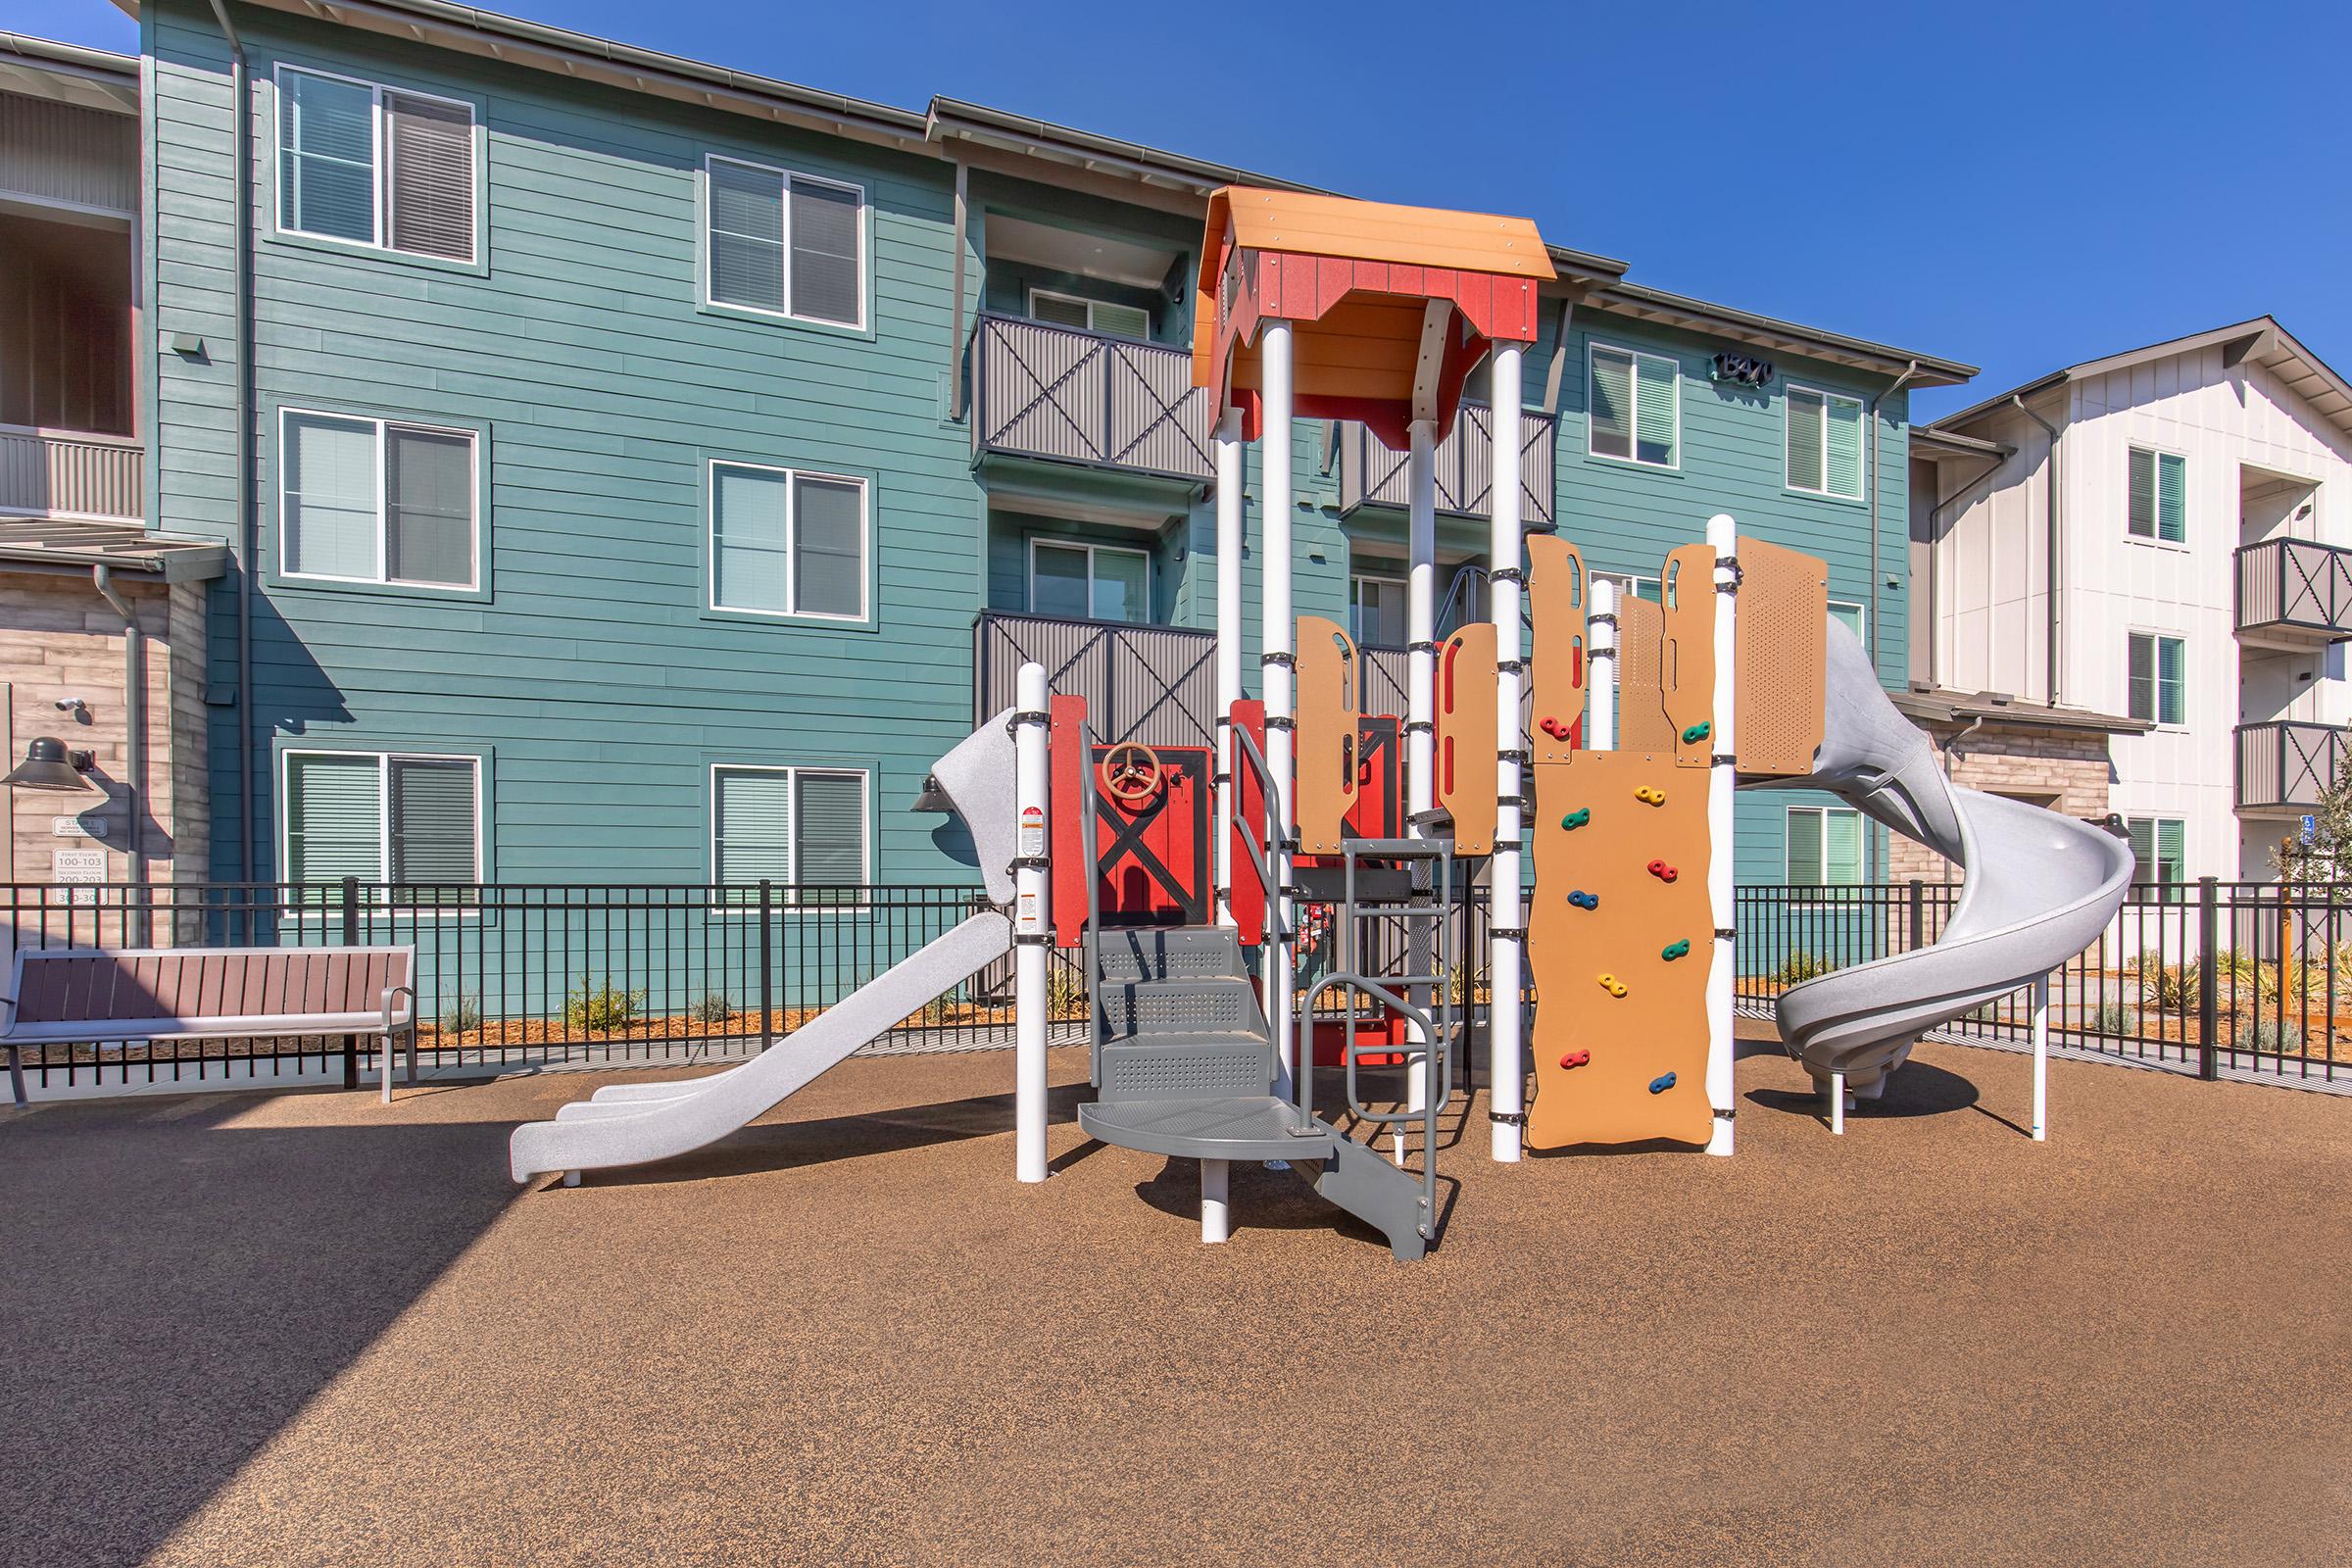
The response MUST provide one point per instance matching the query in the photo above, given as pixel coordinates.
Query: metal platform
(1236, 1127)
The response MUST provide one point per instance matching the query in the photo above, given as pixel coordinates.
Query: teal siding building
(624, 459)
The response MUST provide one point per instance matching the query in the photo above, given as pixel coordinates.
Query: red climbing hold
(1575, 1058)
(1662, 871)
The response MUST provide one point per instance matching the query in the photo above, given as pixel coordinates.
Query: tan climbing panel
(1642, 724)
(1688, 683)
(1326, 734)
(1466, 736)
(1782, 632)
(1659, 1024)
(1556, 604)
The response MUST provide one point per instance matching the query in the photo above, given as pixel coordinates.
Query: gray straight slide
(2040, 887)
(631, 1124)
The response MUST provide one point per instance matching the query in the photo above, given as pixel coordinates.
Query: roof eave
(1781, 338)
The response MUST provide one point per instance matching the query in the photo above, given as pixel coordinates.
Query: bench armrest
(395, 991)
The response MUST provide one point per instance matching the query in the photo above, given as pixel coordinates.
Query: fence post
(351, 939)
(2208, 992)
(768, 963)
(1919, 914)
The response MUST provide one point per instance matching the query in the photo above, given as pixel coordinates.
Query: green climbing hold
(1676, 950)
(1578, 818)
(1698, 733)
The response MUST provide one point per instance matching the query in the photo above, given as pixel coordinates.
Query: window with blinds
(413, 821)
(782, 243)
(1827, 847)
(1089, 315)
(2156, 853)
(1378, 611)
(1823, 443)
(2154, 667)
(376, 501)
(2158, 505)
(1634, 407)
(787, 543)
(800, 830)
(374, 165)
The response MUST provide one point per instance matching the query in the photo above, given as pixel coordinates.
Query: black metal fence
(513, 975)
(2210, 976)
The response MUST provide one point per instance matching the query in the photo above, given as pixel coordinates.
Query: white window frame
(379, 164)
(792, 526)
(788, 314)
(2174, 891)
(1861, 408)
(1403, 584)
(1825, 890)
(1036, 294)
(791, 847)
(1627, 584)
(1861, 618)
(1090, 547)
(2157, 538)
(383, 824)
(1593, 348)
(2156, 676)
(383, 533)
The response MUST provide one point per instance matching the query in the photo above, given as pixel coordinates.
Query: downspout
(2049, 479)
(134, 720)
(1869, 469)
(248, 534)
(1935, 557)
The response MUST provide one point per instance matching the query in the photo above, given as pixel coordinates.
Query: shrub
(602, 1007)
(715, 1007)
(1800, 966)
(2265, 1032)
(1066, 992)
(460, 1016)
(2114, 1019)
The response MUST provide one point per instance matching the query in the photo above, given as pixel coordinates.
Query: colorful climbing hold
(1575, 1058)
(1662, 871)
(1675, 950)
(1557, 730)
(1698, 733)
(1584, 900)
(1612, 985)
(1577, 819)
(1649, 796)
(1661, 1083)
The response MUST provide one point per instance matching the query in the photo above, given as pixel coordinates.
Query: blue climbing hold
(1584, 900)
(1661, 1083)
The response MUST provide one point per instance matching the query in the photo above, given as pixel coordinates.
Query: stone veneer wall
(2031, 762)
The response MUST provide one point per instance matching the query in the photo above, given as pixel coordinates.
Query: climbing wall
(1465, 736)
(1620, 930)
(1325, 787)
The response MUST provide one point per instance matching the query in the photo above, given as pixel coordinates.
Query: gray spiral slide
(630, 1124)
(2039, 886)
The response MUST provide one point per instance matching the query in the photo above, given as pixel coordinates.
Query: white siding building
(2201, 547)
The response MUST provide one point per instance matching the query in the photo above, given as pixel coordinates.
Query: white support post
(1031, 931)
(1276, 639)
(1600, 669)
(1229, 452)
(1506, 554)
(2041, 1060)
(1420, 689)
(1838, 1104)
(1216, 1210)
(1723, 780)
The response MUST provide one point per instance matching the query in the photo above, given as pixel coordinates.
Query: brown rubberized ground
(300, 1329)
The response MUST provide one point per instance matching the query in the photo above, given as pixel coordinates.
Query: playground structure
(1172, 868)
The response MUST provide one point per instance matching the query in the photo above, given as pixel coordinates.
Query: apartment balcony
(1059, 395)
(2293, 594)
(1154, 684)
(2283, 766)
(1372, 475)
(69, 474)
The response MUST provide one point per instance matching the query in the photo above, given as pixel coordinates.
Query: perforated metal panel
(1783, 631)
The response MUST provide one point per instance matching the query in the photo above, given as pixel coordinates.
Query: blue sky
(2018, 186)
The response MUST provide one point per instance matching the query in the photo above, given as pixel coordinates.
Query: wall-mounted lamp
(48, 766)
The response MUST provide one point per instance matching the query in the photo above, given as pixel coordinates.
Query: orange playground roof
(1373, 231)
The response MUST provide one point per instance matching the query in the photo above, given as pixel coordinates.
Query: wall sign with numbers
(1743, 368)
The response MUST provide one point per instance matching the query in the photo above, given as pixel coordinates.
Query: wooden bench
(104, 996)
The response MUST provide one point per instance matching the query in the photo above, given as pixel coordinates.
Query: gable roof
(2260, 341)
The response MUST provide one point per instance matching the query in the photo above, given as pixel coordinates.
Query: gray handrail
(1088, 803)
(1261, 856)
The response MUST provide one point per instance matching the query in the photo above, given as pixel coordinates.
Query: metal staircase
(1185, 1067)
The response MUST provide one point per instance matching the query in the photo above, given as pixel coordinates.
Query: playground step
(1186, 1067)
(1229, 1127)
(1382, 1193)
(1180, 1006)
(1173, 953)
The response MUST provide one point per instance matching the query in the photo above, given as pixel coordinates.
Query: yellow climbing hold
(1612, 985)
(1649, 796)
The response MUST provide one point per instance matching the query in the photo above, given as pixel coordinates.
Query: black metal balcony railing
(1154, 684)
(2296, 588)
(1067, 396)
(1371, 474)
(2285, 766)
